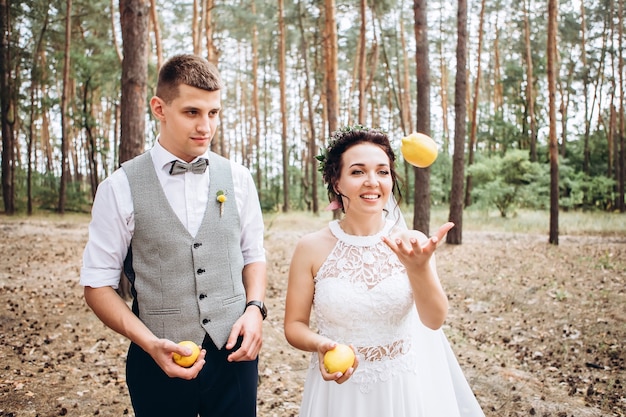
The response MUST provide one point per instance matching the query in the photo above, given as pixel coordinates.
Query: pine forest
(518, 123)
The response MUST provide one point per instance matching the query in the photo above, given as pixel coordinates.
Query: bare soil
(539, 330)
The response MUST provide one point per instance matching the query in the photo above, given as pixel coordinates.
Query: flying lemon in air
(419, 150)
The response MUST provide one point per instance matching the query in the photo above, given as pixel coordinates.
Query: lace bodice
(363, 297)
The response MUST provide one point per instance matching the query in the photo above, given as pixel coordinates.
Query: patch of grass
(47, 215)
(531, 221)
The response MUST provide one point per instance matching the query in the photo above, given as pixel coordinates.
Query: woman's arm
(416, 252)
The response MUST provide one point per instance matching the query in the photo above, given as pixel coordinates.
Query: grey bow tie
(197, 167)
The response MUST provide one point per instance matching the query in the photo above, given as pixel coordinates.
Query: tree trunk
(6, 110)
(530, 90)
(554, 146)
(474, 117)
(35, 84)
(154, 18)
(498, 94)
(444, 89)
(134, 15)
(312, 145)
(65, 138)
(585, 80)
(283, 103)
(421, 197)
(362, 72)
(455, 236)
(330, 59)
(256, 116)
(118, 52)
(31, 139)
(211, 50)
(330, 71)
(564, 91)
(195, 27)
(622, 143)
(218, 144)
(92, 147)
(405, 91)
(611, 129)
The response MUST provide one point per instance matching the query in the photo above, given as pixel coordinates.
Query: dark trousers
(221, 389)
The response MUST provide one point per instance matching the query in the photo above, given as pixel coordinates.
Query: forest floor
(539, 329)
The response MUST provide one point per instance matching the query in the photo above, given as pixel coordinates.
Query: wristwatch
(258, 304)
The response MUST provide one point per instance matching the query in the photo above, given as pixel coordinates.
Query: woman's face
(365, 182)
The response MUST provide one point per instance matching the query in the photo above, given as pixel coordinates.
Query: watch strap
(260, 305)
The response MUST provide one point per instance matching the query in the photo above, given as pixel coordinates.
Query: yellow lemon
(419, 150)
(339, 359)
(221, 198)
(187, 361)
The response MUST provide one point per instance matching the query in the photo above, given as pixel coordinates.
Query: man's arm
(250, 324)
(115, 314)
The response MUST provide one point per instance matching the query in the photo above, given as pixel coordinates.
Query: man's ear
(156, 106)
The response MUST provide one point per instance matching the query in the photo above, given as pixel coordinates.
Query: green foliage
(440, 180)
(270, 198)
(512, 181)
(45, 193)
(500, 180)
(583, 192)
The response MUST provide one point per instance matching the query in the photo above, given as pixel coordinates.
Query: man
(186, 227)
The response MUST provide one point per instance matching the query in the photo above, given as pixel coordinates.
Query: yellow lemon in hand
(339, 359)
(419, 150)
(187, 361)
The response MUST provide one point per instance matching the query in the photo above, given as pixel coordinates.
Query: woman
(374, 286)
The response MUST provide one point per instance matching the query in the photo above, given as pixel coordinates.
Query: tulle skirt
(437, 388)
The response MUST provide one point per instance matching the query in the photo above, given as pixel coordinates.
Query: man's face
(189, 122)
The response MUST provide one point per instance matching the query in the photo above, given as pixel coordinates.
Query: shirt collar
(163, 158)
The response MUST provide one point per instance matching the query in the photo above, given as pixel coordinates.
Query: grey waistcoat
(183, 286)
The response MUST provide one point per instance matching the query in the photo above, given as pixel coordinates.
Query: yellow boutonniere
(221, 198)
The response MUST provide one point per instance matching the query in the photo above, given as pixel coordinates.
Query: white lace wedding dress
(363, 298)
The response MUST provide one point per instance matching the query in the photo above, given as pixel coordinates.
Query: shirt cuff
(96, 278)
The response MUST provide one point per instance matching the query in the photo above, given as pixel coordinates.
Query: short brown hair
(187, 69)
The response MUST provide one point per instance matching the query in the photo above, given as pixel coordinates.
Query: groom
(196, 262)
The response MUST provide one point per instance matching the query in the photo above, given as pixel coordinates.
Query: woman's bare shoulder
(314, 248)
(319, 238)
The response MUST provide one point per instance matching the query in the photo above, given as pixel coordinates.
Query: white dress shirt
(113, 222)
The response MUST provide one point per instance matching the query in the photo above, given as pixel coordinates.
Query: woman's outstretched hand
(413, 248)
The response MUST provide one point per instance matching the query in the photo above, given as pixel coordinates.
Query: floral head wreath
(336, 137)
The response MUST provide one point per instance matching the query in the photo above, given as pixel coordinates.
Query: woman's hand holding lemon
(337, 362)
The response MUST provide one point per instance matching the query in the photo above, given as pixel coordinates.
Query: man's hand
(250, 328)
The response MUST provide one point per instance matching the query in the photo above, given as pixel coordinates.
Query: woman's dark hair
(339, 142)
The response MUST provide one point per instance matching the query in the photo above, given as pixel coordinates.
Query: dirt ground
(539, 330)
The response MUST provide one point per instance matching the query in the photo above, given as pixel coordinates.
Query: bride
(372, 284)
